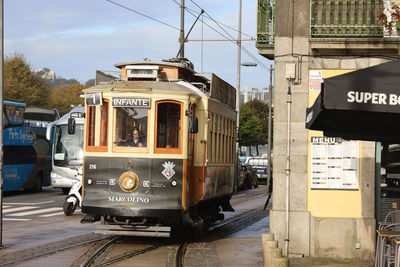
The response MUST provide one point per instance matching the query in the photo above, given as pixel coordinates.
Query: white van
(260, 165)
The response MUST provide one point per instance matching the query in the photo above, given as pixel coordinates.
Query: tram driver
(135, 141)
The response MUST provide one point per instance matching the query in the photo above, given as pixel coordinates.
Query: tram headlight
(174, 183)
(129, 181)
(89, 181)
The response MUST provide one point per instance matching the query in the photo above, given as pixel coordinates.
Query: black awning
(360, 105)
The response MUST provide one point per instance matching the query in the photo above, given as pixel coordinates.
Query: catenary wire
(194, 11)
(232, 39)
(141, 14)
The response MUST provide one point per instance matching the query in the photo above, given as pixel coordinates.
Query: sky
(75, 38)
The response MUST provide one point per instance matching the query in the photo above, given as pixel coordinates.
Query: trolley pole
(182, 35)
(1, 121)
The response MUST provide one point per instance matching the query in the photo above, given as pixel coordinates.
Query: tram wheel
(68, 208)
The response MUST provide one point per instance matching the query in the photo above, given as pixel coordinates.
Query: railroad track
(181, 243)
(30, 254)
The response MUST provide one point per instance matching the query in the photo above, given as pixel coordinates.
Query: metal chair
(386, 247)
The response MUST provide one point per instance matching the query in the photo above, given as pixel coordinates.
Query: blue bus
(27, 152)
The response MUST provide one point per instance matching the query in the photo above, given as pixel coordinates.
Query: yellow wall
(331, 203)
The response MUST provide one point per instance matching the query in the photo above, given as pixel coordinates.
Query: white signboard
(315, 80)
(334, 163)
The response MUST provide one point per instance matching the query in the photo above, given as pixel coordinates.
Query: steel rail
(54, 251)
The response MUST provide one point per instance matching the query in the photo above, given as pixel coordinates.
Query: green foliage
(253, 123)
(250, 126)
(260, 110)
(21, 85)
(63, 96)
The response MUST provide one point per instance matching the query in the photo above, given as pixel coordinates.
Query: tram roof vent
(142, 72)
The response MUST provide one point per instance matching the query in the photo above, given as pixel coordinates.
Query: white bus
(67, 154)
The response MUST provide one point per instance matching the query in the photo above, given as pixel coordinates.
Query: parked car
(247, 177)
(260, 167)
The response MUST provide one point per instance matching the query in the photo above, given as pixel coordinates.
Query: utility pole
(182, 35)
(270, 129)
(238, 91)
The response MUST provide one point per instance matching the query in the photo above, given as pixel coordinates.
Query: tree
(260, 110)
(63, 96)
(21, 85)
(250, 126)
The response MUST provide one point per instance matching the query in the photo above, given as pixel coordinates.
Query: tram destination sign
(131, 102)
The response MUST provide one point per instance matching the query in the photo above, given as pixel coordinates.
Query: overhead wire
(232, 39)
(207, 16)
(141, 14)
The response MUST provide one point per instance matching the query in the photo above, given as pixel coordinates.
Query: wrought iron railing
(265, 22)
(345, 18)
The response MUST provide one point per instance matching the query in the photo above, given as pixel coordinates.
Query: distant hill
(52, 80)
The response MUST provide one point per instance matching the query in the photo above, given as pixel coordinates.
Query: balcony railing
(345, 18)
(265, 22)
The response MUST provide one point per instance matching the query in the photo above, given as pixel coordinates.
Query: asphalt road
(27, 206)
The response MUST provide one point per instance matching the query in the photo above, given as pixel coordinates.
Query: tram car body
(159, 149)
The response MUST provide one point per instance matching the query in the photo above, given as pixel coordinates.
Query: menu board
(334, 163)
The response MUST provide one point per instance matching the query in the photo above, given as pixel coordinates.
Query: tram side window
(168, 125)
(97, 127)
(131, 127)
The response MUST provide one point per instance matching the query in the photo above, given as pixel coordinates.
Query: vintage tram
(160, 149)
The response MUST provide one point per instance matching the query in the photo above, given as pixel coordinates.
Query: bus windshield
(68, 148)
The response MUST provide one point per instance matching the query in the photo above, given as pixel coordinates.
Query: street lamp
(252, 64)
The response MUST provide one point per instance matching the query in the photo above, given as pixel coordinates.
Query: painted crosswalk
(29, 211)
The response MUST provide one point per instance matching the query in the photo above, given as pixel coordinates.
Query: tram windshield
(131, 127)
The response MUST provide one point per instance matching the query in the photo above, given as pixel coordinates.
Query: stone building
(310, 40)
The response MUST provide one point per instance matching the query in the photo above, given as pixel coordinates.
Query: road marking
(51, 214)
(19, 209)
(10, 219)
(36, 212)
(31, 203)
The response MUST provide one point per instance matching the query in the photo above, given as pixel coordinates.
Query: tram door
(194, 173)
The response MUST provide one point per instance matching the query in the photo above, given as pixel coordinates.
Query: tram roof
(177, 86)
(187, 65)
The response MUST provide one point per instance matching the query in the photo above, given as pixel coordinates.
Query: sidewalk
(244, 248)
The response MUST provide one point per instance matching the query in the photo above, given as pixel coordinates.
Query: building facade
(248, 95)
(310, 40)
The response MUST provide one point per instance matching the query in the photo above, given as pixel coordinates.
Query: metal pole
(238, 91)
(289, 102)
(270, 130)
(1, 121)
(182, 35)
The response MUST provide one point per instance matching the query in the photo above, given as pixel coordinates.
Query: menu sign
(334, 163)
